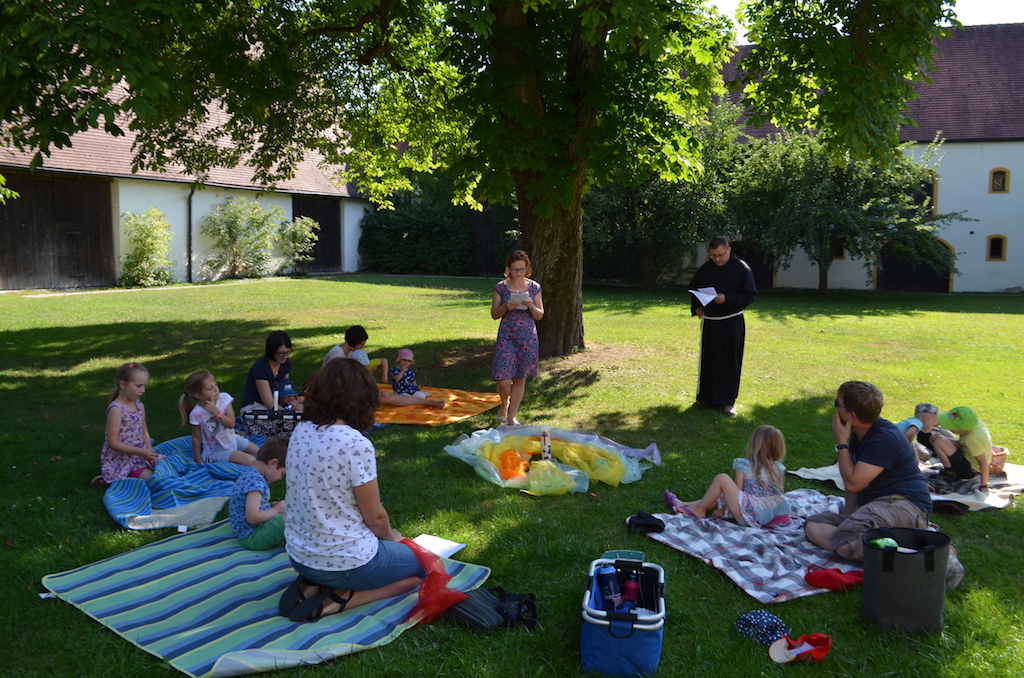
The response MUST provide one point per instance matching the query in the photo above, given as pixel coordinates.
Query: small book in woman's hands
(519, 298)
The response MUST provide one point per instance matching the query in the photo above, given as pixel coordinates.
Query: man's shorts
(961, 465)
(266, 535)
(892, 511)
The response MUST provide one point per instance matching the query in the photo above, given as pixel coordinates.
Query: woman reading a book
(517, 302)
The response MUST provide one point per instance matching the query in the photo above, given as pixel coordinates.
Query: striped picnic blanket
(768, 563)
(208, 606)
(180, 492)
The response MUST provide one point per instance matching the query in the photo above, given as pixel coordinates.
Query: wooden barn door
(898, 275)
(58, 234)
(327, 213)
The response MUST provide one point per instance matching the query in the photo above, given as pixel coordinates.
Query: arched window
(999, 180)
(995, 248)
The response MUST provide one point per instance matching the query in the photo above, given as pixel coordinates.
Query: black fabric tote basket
(905, 591)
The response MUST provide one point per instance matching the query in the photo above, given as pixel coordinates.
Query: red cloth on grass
(833, 579)
(435, 596)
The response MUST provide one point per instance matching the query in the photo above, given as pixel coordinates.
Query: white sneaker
(954, 570)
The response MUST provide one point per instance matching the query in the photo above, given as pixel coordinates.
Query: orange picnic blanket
(458, 405)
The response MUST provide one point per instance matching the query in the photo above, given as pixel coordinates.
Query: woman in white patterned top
(337, 532)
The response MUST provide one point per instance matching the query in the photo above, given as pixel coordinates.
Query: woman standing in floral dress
(518, 304)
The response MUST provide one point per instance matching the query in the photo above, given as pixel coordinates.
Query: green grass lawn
(635, 383)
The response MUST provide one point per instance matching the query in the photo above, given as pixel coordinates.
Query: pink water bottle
(631, 587)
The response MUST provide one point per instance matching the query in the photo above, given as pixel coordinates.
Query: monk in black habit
(723, 331)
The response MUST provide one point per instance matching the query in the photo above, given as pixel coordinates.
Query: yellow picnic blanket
(458, 405)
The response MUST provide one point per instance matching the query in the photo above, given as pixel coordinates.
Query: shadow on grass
(774, 304)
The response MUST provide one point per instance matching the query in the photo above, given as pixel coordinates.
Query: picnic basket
(623, 643)
(995, 467)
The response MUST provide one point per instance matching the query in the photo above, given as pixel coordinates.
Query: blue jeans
(394, 561)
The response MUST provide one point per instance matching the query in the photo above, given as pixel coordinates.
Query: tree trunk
(822, 280)
(550, 212)
(555, 246)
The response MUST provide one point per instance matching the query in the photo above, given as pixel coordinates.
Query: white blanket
(1002, 488)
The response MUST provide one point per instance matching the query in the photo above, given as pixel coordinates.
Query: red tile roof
(95, 152)
(976, 93)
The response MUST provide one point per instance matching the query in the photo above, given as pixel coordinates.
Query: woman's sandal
(293, 596)
(502, 420)
(312, 609)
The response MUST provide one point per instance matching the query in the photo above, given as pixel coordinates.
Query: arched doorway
(898, 275)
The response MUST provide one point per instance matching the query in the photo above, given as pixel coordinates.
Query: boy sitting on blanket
(923, 430)
(257, 523)
(354, 349)
(969, 456)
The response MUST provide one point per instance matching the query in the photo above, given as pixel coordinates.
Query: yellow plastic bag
(597, 463)
(546, 478)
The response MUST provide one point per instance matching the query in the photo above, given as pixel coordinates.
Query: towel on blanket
(458, 405)
(180, 492)
(1002, 488)
(768, 563)
(208, 606)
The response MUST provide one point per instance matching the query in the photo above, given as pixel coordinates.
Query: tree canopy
(525, 100)
(791, 194)
(644, 231)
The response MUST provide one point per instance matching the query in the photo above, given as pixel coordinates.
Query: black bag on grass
(487, 609)
(905, 590)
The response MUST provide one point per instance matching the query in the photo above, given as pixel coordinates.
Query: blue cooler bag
(625, 641)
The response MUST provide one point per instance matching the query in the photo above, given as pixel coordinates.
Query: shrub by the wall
(148, 264)
(296, 240)
(243, 234)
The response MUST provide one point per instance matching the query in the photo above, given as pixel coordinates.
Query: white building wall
(964, 186)
(352, 215)
(842, 274)
(138, 195)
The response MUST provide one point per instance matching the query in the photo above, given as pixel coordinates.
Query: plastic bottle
(631, 587)
(608, 583)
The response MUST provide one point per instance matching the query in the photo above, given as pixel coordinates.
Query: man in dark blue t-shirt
(884, 487)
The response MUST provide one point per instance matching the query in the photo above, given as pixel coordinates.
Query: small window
(995, 248)
(999, 180)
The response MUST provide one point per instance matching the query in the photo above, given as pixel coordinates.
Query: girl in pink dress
(127, 452)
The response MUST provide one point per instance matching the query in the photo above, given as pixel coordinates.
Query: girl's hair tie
(132, 365)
